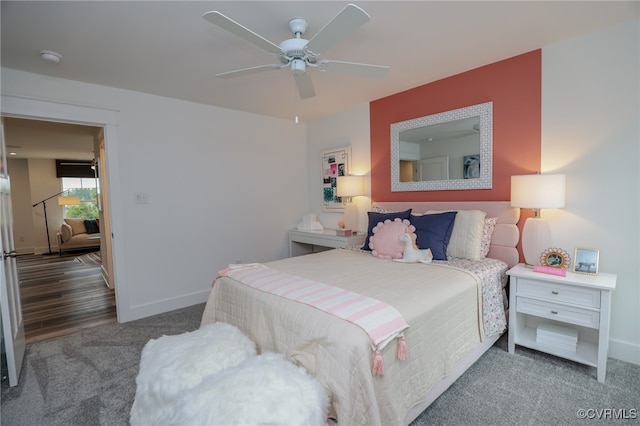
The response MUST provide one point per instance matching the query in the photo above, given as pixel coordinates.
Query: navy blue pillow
(434, 231)
(92, 226)
(375, 218)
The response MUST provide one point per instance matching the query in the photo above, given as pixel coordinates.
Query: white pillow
(466, 237)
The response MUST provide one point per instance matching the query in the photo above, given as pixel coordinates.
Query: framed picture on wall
(335, 162)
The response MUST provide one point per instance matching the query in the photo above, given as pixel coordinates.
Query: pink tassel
(402, 349)
(378, 364)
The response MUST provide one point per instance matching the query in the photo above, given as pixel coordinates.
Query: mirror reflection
(441, 151)
(445, 151)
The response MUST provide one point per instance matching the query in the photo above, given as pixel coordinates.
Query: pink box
(343, 232)
(550, 270)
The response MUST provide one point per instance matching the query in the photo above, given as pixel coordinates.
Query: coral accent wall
(513, 85)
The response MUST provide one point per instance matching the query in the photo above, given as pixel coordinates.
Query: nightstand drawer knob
(554, 292)
(554, 312)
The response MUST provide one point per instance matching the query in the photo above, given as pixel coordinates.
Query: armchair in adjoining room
(77, 234)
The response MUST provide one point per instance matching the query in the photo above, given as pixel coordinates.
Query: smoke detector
(50, 56)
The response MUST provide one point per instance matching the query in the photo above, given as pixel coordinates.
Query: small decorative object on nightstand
(303, 242)
(556, 258)
(563, 316)
(587, 260)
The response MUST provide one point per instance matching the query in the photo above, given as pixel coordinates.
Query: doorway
(65, 294)
(33, 108)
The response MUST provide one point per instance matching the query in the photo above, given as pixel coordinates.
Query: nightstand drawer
(558, 312)
(559, 292)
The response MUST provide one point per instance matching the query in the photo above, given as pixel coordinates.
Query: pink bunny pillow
(384, 243)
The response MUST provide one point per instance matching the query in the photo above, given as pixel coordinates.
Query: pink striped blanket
(382, 322)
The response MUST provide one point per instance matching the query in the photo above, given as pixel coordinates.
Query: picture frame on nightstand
(555, 258)
(586, 261)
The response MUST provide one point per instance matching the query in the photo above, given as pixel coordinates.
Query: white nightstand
(305, 242)
(579, 302)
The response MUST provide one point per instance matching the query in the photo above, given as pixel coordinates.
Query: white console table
(305, 242)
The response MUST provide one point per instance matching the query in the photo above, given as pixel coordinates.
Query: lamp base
(536, 238)
(351, 216)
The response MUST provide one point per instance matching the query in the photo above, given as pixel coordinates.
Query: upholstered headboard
(505, 236)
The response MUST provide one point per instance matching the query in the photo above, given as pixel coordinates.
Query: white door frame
(10, 301)
(49, 110)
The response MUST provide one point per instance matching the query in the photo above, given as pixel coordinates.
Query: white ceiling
(166, 47)
(46, 139)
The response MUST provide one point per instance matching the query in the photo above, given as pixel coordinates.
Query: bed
(454, 309)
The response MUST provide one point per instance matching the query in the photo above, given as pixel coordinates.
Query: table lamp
(348, 187)
(537, 192)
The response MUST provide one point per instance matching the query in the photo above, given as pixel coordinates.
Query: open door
(10, 303)
(103, 210)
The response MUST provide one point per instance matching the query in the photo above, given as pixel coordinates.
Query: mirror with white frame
(451, 150)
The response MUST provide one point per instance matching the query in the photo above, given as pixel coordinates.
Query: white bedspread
(442, 305)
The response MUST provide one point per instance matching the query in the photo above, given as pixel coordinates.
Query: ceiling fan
(299, 54)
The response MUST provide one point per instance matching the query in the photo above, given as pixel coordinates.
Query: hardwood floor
(61, 295)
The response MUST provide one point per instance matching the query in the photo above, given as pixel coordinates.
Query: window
(86, 189)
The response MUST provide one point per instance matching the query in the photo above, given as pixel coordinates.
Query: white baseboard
(162, 306)
(624, 351)
(44, 250)
(25, 250)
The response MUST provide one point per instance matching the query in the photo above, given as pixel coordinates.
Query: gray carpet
(88, 378)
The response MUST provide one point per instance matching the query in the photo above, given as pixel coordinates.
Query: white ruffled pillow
(466, 238)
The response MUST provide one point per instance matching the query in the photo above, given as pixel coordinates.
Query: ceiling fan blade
(217, 18)
(346, 21)
(305, 85)
(247, 71)
(360, 70)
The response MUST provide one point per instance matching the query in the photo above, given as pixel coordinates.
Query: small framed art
(471, 166)
(587, 261)
(556, 258)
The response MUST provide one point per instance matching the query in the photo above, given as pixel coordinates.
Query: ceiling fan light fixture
(50, 56)
(298, 67)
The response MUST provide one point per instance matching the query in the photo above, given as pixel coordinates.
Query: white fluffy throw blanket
(212, 376)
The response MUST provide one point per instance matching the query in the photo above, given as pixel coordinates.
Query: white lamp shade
(538, 191)
(350, 186)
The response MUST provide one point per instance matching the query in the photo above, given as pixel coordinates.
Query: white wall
(591, 132)
(222, 186)
(346, 128)
(43, 184)
(23, 232)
